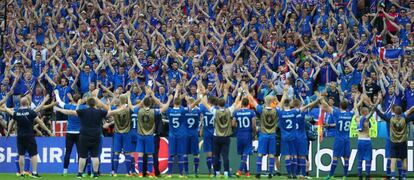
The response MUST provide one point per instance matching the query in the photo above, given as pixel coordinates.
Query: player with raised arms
(207, 130)
(122, 138)
(245, 121)
(364, 151)
(398, 129)
(341, 146)
(301, 141)
(267, 133)
(146, 127)
(192, 117)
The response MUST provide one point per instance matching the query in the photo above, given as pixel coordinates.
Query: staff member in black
(91, 120)
(26, 142)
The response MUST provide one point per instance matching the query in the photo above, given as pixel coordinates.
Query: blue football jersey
(287, 123)
(244, 119)
(192, 119)
(134, 119)
(73, 125)
(208, 119)
(301, 125)
(176, 121)
(343, 122)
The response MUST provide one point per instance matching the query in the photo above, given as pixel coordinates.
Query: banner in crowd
(51, 156)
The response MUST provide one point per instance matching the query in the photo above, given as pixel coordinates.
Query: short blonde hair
(123, 98)
(269, 99)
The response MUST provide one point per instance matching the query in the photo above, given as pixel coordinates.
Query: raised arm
(409, 111)
(284, 97)
(164, 107)
(311, 105)
(326, 107)
(7, 110)
(205, 103)
(43, 126)
(114, 112)
(66, 112)
(40, 107)
(334, 68)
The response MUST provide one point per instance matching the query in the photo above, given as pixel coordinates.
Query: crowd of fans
(341, 47)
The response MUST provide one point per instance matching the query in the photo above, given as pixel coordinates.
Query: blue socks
(333, 167)
(185, 161)
(271, 165)
(132, 164)
(209, 164)
(399, 167)
(302, 166)
(288, 166)
(403, 174)
(241, 166)
(170, 164)
(140, 160)
(294, 163)
(16, 161)
(368, 167)
(388, 172)
(346, 165)
(149, 165)
(196, 163)
(180, 163)
(297, 172)
(116, 163)
(259, 164)
(243, 163)
(128, 163)
(244, 158)
(26, 163)
(359, 167)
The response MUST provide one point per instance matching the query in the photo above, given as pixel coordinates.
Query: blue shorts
(288, 148)
(133, 133)
(134, 136)
(122, 142)
(364, 150)
(341, 148)
(177, 145)
(267, 143)
(302, 147)
(244, 144)
(387, 148)
(208, 142)
(145, 144)
(192, 144)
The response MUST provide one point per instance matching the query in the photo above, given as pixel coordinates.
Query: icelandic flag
(390, 53)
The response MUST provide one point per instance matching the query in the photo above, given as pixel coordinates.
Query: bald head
(24, 102)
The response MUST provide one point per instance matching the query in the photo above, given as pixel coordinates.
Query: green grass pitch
(106, 176)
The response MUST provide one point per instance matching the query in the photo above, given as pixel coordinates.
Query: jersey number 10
(243, 122)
